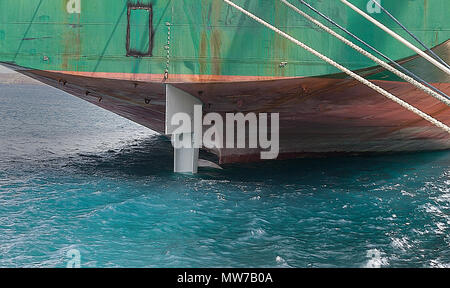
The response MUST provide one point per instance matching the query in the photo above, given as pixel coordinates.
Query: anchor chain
(167, 48)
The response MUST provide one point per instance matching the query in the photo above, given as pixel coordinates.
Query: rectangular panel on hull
(139, 31)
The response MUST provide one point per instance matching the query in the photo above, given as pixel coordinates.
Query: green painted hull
(207, 37)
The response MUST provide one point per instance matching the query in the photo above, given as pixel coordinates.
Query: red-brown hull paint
(174, 78)
(317, 115)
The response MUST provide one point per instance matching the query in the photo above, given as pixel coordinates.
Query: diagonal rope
(411, 34)
(392, 62)
(343, 69)
(398, 37)
(368, 55)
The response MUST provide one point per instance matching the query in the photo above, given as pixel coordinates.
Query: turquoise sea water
(73, 176)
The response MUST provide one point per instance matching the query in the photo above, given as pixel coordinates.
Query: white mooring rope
(398, 37)
(369, 55)
(343, 69)
(412, 34)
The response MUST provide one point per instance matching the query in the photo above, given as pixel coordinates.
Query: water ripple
(107, 189)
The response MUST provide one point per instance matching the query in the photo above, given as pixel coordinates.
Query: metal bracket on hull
(178, 101)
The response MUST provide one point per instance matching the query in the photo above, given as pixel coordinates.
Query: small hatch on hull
(139, 31)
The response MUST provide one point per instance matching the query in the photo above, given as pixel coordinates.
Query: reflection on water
(76, 178)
